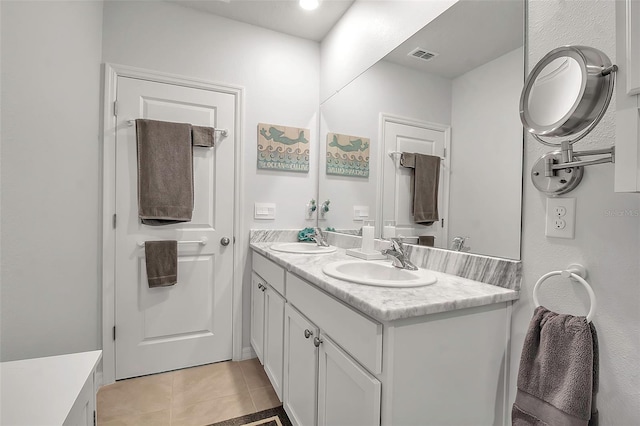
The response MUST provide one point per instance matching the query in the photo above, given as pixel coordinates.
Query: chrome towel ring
(576, 272)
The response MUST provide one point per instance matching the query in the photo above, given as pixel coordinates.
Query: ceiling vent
(421, 53)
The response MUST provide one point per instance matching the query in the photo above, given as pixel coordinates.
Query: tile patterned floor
(194, 396)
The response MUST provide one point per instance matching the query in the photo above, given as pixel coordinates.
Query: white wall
(355, 110)
(366, 33)
(50, 177)
(279, 74)
(486, 157)
(607, 240)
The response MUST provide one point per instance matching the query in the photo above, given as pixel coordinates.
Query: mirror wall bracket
(566, 95)
(569, 158)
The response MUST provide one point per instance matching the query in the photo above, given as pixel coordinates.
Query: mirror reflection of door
(398, 181)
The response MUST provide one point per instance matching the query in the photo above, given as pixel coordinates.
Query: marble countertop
(449, 293)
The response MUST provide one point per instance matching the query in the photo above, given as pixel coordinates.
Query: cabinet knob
(308, 333)
(317, 341)
(259, 286)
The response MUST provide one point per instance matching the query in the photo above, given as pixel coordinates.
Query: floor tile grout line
(173, 380)
(244, 378)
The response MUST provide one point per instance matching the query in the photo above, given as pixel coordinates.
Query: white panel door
(300, 368)
(397, 195)
(347, 394)
(190, 323)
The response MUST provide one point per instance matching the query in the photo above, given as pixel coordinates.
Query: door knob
(225, 241)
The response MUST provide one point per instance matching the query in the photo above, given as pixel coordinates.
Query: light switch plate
(360, 213)
(264, 211)
(561, 218)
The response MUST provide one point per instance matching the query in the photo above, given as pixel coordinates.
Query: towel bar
(394, 153)
(223, 132)
(576, 272)
(202, 242)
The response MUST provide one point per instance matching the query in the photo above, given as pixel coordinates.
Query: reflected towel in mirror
(425, 185)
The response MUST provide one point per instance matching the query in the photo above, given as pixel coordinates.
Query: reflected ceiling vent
(420, 53)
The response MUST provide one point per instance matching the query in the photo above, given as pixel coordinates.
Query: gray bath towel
(203, 136)
(426, 178)
(165, 172)
(161, 258)
(558, 374)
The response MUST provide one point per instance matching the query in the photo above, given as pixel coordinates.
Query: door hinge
(114, 220)
(115, 108)
(444, 154)
(442, 222)
(95, 420)
(114, 332)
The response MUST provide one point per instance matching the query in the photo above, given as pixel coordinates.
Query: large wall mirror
(451, 90)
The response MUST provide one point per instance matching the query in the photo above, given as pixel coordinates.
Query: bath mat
(271, 417)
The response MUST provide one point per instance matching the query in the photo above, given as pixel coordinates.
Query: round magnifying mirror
(566, 92)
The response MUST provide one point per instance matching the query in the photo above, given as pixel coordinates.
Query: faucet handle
(397, 244)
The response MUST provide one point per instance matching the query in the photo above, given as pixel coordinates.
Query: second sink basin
(302, 248)
(382, 274)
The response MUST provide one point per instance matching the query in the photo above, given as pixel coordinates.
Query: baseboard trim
(248, 353)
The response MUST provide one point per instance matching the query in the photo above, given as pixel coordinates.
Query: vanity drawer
(271, 272)
(355, 333)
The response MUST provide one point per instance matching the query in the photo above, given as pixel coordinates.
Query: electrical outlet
(559, 223)
(561, 217)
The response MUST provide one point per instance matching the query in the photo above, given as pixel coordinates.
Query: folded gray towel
(558, 374)
(426, 240)
(203, 136)
(165, 172)
(161, 258)
(425, 185)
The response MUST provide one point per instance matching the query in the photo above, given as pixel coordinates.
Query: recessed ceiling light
(309, 4)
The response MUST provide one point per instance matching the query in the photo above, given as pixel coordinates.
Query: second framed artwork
(347, 155)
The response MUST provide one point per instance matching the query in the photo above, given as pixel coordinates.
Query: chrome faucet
(400, 259)
(458, 244)
(319, 238)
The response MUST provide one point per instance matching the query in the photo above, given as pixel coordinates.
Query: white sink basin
(302, 248)
(382, 274)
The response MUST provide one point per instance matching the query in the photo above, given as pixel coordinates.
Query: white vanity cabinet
(258, 288)
(323, 383)
(342, 367)
(57, 390)
(267, 318)
(301, 368)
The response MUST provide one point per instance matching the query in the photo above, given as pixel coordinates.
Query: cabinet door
(274, 338)
(257, 315)
(83, 410)
(347, 394)
(300, 368)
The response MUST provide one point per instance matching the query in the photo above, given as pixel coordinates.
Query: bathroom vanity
(339, 353)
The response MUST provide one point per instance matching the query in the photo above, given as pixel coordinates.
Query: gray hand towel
(161, 258)
(203, 136)
(165, 172)
(425, 185)
(558, 374)
(426, 240)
